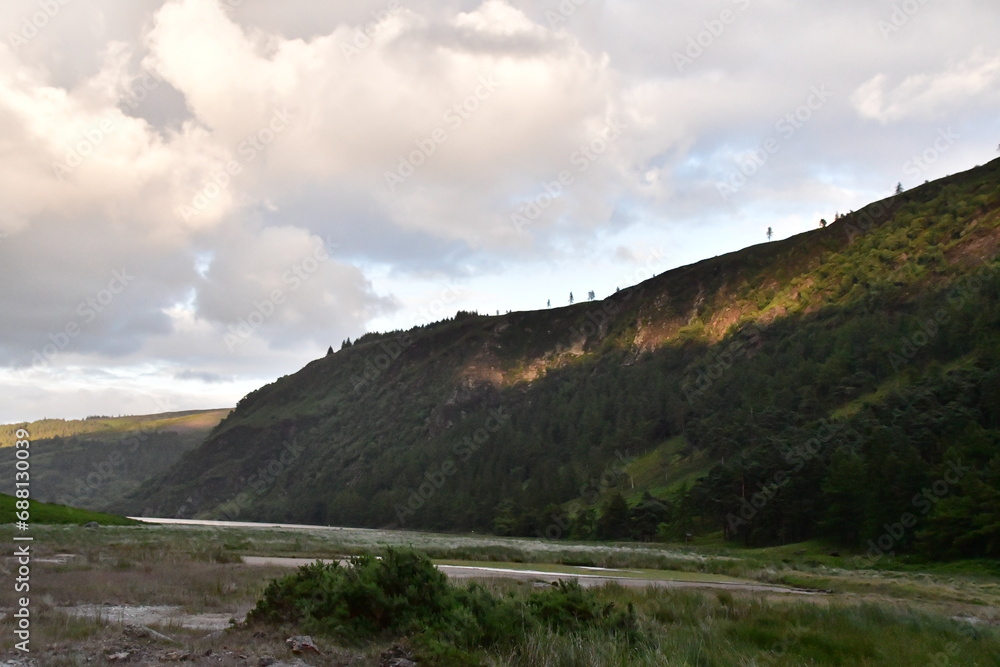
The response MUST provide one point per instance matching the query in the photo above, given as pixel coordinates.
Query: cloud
(283, 285)
(206, 152)
(975, 81)
(202, 376)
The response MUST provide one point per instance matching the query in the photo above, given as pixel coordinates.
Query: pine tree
(614, 521)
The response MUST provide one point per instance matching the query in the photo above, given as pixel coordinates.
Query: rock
(91, 524)
(135, 631)
(175, 656)
(397, 656)
(115, 657)
(142, 632)
(266, 661)
(303, 644)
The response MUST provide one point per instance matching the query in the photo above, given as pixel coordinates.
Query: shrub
(398, 593)
(403, 594)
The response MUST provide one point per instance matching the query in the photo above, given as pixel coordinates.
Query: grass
(198, 421)
(902, 616)
(664, 470)
(51, 513)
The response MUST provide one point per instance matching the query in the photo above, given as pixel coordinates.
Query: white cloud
(972, 82)
(264, 130)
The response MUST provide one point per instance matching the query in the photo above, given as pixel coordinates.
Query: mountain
(810, 387)
(91, 463)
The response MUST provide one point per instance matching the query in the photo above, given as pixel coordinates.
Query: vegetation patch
(402, 594)
(60, 514)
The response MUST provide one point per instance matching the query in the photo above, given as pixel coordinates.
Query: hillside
(48, 513)
(810, 387)
(92, 463)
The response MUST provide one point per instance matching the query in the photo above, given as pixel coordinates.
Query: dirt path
(586, 580)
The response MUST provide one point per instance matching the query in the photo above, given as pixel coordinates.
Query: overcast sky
(199, 196)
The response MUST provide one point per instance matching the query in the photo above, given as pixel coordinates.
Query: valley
(785, 455)
(159, 590)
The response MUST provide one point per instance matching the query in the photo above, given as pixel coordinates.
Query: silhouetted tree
(571, 297)
(591, 296)
(614, 521)
(899, 188)
(770, 233)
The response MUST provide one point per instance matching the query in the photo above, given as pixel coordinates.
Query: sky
(200, 196)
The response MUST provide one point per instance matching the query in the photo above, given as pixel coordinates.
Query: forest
(842, 385)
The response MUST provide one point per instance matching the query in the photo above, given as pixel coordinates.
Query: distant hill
(95, 462)
(48, 513)
(810, 387)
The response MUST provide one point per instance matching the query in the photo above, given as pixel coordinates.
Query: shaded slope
(94, 462)
(496, 422)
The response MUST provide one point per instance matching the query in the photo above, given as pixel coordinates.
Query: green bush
(402, 594)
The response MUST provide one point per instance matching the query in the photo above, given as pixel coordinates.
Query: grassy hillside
(94, 462)
(804, 388)
(195, 422)
(48, 513)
